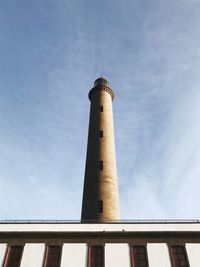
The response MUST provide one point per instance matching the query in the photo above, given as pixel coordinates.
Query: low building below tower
(73, 244)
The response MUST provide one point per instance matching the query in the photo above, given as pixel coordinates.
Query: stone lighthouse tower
(100, 194)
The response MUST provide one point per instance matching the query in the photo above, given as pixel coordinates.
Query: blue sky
(50, 54)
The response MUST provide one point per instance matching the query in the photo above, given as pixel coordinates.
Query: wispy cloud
(50, 55)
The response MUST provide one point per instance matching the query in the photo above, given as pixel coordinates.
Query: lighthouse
(100, 194)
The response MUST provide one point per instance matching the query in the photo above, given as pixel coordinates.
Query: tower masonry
(100, 194)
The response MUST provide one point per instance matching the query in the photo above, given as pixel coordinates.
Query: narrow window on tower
(139, 256)
(13, 257)
(100, 134)
(96, 256)
(178, 256)
(100, 206)
(101, 108)
(53, 256)
(100, 165)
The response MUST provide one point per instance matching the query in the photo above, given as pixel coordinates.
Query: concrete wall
(116, 255)
(81, 227)
(193, 251)
(158, 255)
(74, 255)
(2, 252)
(33, 255)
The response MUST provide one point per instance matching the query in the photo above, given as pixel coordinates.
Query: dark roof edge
(105, 222)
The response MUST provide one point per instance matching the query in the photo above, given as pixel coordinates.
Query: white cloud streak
(150, 54)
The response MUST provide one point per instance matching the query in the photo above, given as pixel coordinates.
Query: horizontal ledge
(105, 222)
(108, 236)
